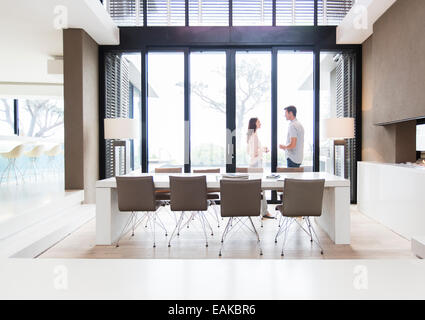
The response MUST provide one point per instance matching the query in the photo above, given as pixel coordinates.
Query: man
(295, 141)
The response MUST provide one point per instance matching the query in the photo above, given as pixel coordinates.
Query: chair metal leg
(214, 206)
(124, 229)
(208, 223)
(161, 224)
(202, 219)
(226, 230)
(288, 226)
(315, 234)
(154, 223)
(175, 229)
(258, 236)
(5, 170)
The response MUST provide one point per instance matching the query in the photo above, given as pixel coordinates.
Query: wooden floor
(369, 240)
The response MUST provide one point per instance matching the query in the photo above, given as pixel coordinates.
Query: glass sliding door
(253, 100)
(295, 88)
(165, 109)
(208, 109)
(135, 105)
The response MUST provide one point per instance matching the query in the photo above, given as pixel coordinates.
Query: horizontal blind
(332, 12)
(209, 12)
(126, 12)
(252, 12)
(295, 12)
(117, 85)
(166, 13)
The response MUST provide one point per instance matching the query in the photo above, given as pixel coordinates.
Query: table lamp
(339, 129)
(120, 130)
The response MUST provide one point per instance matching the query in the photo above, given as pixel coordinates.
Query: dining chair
(11, 157)
(301, 199)
(52, 155)
(169, 170)
(249, 170)
(137, 194)
(240, 199)
(264, 205)
(164, 194)
(213, 195)
(290, 170)
(34, 155)
(189, 194)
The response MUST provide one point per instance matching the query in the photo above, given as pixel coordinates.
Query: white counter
(393, 195)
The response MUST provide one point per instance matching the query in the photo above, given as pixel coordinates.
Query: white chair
(52, 155)
(11, 156)
(34, 155)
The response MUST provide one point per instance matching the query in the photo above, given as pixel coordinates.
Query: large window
(208, 109)
(252, 12)
(253, 100)
(166, 109)
(216, 12)
(133, 60)
(6, 117)
(166, 12)
(41, 118)
(295, 88)
(208, 12)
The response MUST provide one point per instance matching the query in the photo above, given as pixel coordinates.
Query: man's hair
(292, 109)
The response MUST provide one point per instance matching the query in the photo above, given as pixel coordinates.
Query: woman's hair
(252, 128)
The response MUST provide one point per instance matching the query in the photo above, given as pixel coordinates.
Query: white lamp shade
(339, 128)
(121, 128)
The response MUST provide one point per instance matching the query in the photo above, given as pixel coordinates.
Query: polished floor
(18, 199)
(211, 279)
(369, 240)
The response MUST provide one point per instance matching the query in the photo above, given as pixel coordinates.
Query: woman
(255, 150)
(255, 153)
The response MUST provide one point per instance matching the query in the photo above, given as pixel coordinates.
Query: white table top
(161, 180)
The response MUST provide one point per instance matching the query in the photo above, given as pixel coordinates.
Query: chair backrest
(53, 152)
(136, 194)
(168, 170)
(206, 170)
(36, 152)
(188, 193)
(303, 198)
(249, 170)
(240, 198)
(15, 153)
(289, 170)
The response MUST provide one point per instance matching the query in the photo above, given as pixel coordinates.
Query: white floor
(211, 279)
(17, 199)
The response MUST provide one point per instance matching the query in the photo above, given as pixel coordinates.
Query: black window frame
(315, 39)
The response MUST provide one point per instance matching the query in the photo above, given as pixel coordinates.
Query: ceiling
(29, 38)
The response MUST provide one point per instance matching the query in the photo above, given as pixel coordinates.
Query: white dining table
(335, 219)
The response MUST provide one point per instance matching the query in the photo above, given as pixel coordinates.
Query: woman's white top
(254, 146)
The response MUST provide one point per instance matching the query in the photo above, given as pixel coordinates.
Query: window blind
(252, 12)
(117, 85)
(209, 12)
(295, 12)
(332, 12)
(345, 108)
(166, 12)
(126, 12)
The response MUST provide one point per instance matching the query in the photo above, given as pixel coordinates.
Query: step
(34, 240)
(418, 246)
(39, 212)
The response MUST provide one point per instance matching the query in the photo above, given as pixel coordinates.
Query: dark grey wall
(399, 50)
(394, 83)
(81, 112)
